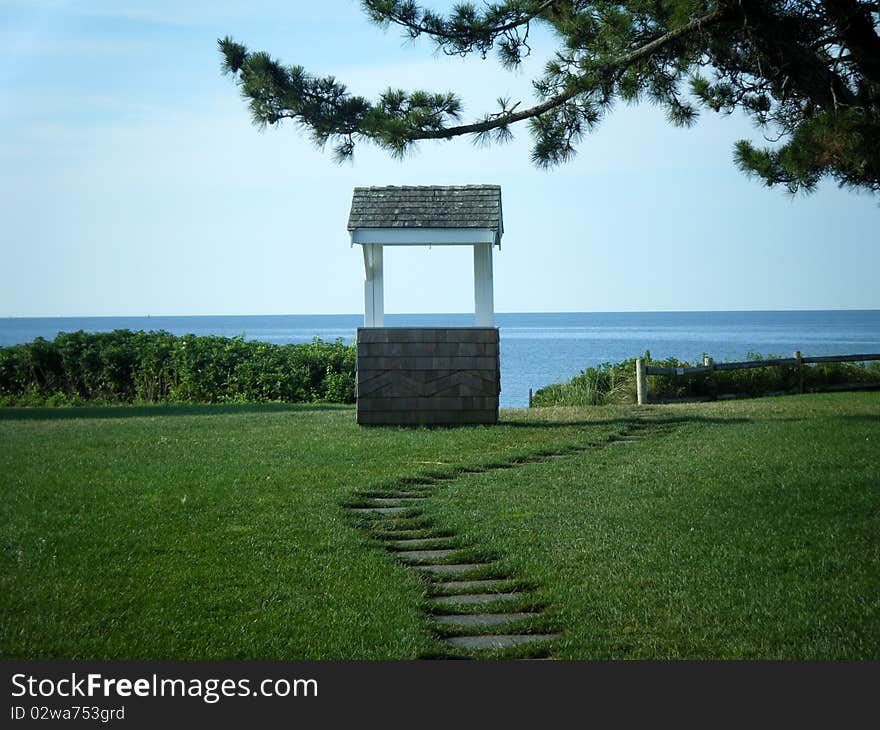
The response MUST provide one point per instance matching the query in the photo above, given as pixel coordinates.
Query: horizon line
(444, 314)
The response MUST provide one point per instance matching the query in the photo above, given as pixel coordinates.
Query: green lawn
(743, 529)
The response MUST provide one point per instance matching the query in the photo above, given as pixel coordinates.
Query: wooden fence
(643, 370)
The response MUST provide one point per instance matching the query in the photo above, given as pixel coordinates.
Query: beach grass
(741, 529)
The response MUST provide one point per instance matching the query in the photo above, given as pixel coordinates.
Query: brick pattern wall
(427, 376)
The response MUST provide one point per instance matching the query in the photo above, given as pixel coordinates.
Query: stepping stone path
(417, 542)
(474, 610)
(449, 569)
(382, 510)
(482, 619)
(474, 599)
(474, 585)
(498, 641)
(421, 556)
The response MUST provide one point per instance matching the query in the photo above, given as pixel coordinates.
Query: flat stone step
(481, 584)
(395, 501)
(502, 641)
(474, 599)
(381, 510)
(453, 569)
(402, 491)
(394, 525)
(392, 535)
(404, 526)
(482, 619)
(416, 542)
(423, 555)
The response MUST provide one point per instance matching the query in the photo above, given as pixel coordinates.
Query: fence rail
(643, 370)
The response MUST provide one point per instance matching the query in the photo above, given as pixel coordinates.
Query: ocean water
(539, 348)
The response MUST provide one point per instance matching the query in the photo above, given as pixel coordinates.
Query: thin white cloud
(194, 13)
(70, 46)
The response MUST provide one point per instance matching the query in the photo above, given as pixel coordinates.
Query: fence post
(530, 397)
(641, 381)
(800, 369)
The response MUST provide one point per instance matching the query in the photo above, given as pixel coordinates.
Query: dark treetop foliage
(807, 71)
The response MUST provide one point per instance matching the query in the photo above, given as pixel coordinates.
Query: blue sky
(132, 183)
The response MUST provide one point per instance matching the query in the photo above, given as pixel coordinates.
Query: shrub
(154, 367)
(615, 383)
(602, 385)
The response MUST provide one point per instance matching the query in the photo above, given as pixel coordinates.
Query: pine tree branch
(859, 33)
(809, 69)
(420, 28)
(719, 14)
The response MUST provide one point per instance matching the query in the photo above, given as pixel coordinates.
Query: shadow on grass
(620, 422)
(664, 421)
(220, 409)
(128, 411)
(869, 417)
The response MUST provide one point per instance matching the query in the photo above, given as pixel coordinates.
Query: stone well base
(427, 376)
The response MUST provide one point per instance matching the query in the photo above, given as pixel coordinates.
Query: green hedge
(616, 382)
(157, 367)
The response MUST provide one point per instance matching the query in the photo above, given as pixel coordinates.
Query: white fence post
(641, 381)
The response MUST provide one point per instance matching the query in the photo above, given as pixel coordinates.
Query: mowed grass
(218, 531)
(744, 529)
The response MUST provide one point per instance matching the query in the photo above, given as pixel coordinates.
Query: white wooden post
(374, 294)
(484, 304)
(641, 381)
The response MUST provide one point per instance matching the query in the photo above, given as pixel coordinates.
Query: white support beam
(484, 299)
(424, 236)
(374, 294)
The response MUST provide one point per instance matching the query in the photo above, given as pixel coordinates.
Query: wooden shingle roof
(427, 206)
